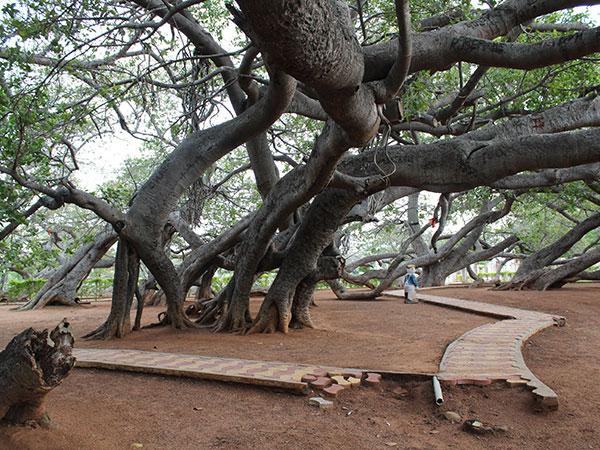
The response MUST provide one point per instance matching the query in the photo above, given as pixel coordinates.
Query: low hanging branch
(31, 365)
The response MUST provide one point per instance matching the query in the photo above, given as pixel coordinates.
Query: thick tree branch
(527, 56)
(550, 177)
(433, 50)
(69, 194)
(391, 84)
(560, 27)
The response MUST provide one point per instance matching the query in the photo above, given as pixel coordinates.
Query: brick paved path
(265, 373)
(488, 353)
(492, 352)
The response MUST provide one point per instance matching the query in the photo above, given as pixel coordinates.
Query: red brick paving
(293, 376)
(372, 379)
(481, 356)
(492, 352)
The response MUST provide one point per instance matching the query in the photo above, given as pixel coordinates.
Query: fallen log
(31, 365)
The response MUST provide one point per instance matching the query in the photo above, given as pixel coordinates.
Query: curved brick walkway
(492, 352)
(488, 353)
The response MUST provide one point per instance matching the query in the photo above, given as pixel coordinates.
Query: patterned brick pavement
(492, 352)
(486, 354)
(264, 373)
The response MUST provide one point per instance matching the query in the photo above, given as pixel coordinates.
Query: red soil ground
(97, 409)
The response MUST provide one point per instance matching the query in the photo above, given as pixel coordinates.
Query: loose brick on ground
(320, 402)
(354, 381)
(373, 379)
(334, 389)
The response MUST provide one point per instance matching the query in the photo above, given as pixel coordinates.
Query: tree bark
(314, 234)
(205, 289)
(329, 267)
(126, 276)
(31, 365)
(592, 276)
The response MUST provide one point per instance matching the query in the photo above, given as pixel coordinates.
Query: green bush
(20, 289)
(95, 286)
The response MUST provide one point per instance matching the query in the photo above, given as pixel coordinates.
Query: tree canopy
(308, 139)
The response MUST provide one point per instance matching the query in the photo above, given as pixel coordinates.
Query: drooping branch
(450, 254)
(366, 260)
(23, 273)
(67, 193)
(558, 277)
(7, 230)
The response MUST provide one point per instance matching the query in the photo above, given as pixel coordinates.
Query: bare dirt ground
(97, 409)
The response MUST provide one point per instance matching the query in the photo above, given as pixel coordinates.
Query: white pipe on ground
(437, 391)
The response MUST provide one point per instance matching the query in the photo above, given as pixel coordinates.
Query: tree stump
(31, 365)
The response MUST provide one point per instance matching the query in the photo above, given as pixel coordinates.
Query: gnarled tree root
(267, 321)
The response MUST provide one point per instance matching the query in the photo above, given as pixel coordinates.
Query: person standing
(410, 286)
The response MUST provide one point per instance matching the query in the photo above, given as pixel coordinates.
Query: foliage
(18, 290)
(536, 219)
(95, 287)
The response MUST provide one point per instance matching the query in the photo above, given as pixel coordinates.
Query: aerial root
(297, 324)
(209, 311)
(267, 322)
(227, 324)
(103, 332)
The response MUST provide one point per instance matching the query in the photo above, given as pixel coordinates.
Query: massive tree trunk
(291, 192)
(329, 267)
(327, 57)
(31, 365)
(127, 267)
(315, 233)
(158, 197)
(61, 287)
